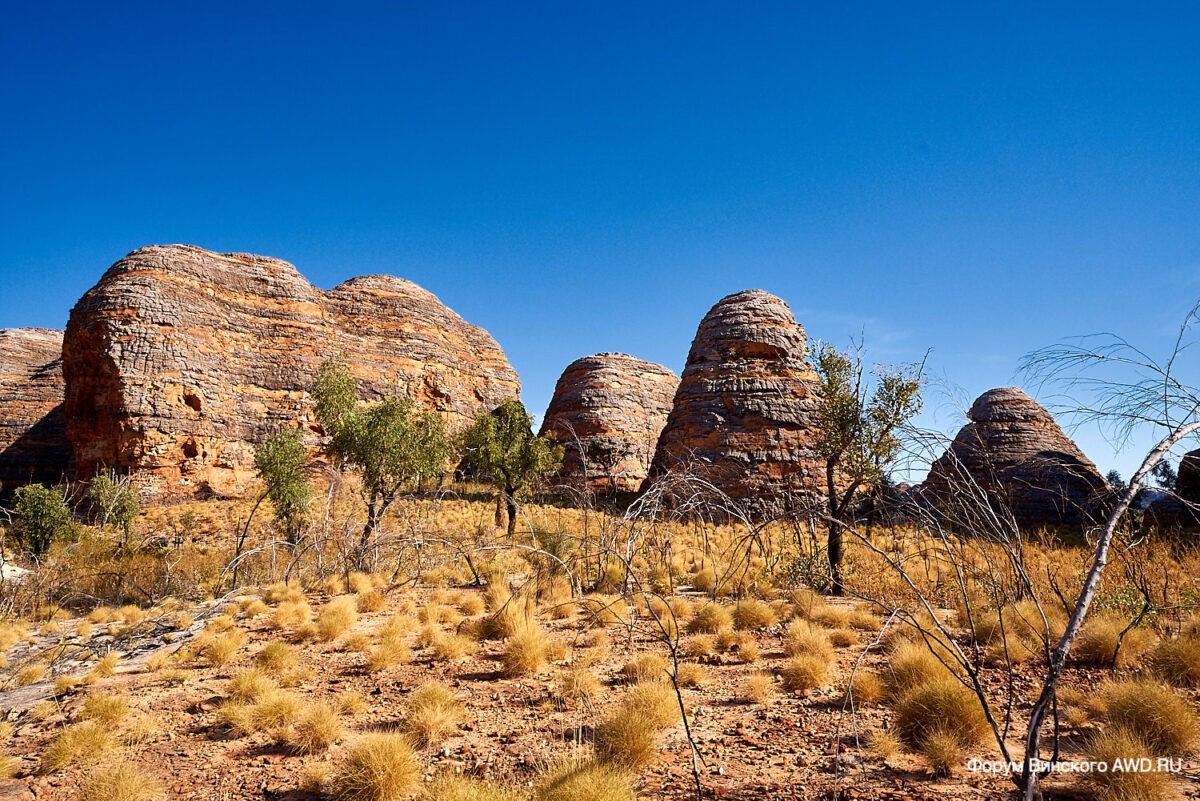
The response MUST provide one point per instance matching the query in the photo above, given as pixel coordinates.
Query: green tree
(858, 433)
(280, 464)
(40, 516)
(393, 445)
(116, 500)
(502, 447)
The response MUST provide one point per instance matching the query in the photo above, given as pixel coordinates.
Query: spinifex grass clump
(525, 653)
(378, 767)
(433, 712)
(1178, 661)
(941, 719)
(336, 618)
(585, 781)
(317, 728)
(627, 740)
(1153, 713)
(119, 782)
(1118, 746)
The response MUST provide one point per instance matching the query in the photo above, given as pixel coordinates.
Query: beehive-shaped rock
(1014, 450)
(607, 412)
(744, 412)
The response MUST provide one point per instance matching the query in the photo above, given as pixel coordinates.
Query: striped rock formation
(1014, 450)
(744, 412)
(607, 412)
(180, 360)
(33, 446)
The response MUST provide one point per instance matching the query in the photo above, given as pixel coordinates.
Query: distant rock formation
(744, 412)
(1181, 509)
(33, 447)
(180, 360)
(1015, 452)
(607, 412)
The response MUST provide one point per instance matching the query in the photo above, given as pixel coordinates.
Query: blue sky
(976, 182)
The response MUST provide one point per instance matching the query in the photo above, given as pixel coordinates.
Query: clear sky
(978, 180)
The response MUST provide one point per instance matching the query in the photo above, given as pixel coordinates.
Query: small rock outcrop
(180, 360)
(1014, 451)
(744, 412)
(607, 412)
(33, 446)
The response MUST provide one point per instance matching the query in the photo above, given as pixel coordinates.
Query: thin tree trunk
(834, 545)
(510, 499)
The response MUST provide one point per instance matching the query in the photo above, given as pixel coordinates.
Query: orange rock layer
(180, 360)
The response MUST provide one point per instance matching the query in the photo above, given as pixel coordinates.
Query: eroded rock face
(607, 412)
(33, 446)
(744, 412)
(1014, 450)
(181, 360)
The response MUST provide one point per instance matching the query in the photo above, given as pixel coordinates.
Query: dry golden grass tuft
(911, 665)
(105, 666)
(42, 710)
(884, 744)
(120, 782)
(843, 638)
(433, 713)
(30, 674)
(387, 655)
(251, 608)
(284, 593)
(647, 667)
(606, 610)
(449, 787)
(627, 740)
(756, 687)
(378, 767)
(452, 647)
(578, 683)
(943, 707)
(139, 730)
(804, 673)
(1178, 661)
(291, 614)
(801, 638)
(370, 601)
(1097, 642)
(83, 743)
(471, 604)
(105, 708)
(701, 646)
(1153, 713)
(712, 618)
(276, 657)
(249, 685)
(657, 700)
(751, 613)
(867, 689)
(525, 652)
(1117, 745)
(9, 766)
(316, 729)
(690, 674)
(704, 580)
(585, 781)
(336, 618)
(350, 703)
(943, 751)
